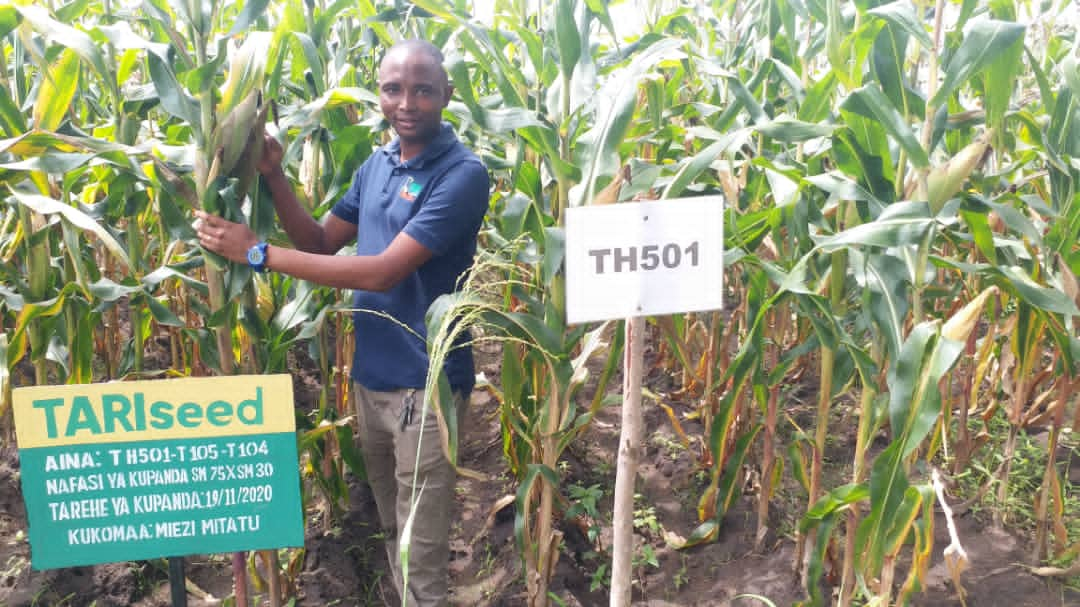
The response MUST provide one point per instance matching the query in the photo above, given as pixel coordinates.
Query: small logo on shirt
(410, 189)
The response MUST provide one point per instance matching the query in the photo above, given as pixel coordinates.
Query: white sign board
(644, 258)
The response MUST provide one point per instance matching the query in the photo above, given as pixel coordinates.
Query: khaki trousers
(389, 430)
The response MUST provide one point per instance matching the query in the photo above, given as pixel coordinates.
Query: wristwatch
(256, 257)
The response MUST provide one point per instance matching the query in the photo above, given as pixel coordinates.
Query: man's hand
(228, 239)
(272, 155)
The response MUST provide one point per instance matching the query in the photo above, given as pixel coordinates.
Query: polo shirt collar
(438, 146)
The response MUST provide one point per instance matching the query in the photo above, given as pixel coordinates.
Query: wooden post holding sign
(632, 260)
(138, 470)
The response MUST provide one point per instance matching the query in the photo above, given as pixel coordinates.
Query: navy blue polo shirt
(439, 198)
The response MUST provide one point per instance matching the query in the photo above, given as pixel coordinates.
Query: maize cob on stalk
(945, 181)
(961, 324)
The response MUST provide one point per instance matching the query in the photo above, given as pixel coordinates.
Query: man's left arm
(452, 211)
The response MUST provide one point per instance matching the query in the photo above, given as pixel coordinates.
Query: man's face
(412, 94)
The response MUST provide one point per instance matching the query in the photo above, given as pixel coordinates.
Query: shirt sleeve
(453, 210)
(348, 206)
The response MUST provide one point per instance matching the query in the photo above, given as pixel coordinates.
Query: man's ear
(449, 94)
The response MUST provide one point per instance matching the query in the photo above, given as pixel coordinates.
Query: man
(415, 208)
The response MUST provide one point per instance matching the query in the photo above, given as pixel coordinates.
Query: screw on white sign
(644, 258)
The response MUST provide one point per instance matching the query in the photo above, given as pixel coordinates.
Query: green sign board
(137, 470)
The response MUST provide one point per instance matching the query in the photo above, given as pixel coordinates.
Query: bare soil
(343, 560)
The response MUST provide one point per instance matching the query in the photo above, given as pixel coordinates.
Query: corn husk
(945, 181)
(961, 324)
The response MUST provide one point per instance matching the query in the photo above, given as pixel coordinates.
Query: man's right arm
(304, 232)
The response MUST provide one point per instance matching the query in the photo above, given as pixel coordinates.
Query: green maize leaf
(48, 206)
(109, 291)
(79, 261)
(350, 454)
(616, 104)
(842, 187)
(310, 114)
(820, 314)
(1046, 92)
(311, 328)
(174, 98)
(901, 14)
(9, 20)
(702, 534)
(312, 60)
(124, 38)
(1000, 74)
(745, 97)
(458, 70)
(10, 298)
(914, 406)
(836, 31)
(902, 520)
(308, 440)
(567, 36)
(982, 43)
(521, 503)
(554, 252)
(530, 328)
(887, 63)
(252, 10)
(65, 35)
(507, 120)
(81, 349)
(1070, 68)
(54, 164)
(902, 223)
(35, 143)
(785, 191)
(12, 120)
(800, 460)
(527, 181)
(297, 311)
(731, 482)
(885, 280)
(57, 91)
(599, 8)
(834, 501)
(815, 566)
(855, 161)
(164, 273)
(512, 220)
(697, 164)
(817, 105)
(976, 221)
(161, 314)
(709, 506)
(1043, 298)
(788, 130)
(922, 534)
(490, 56)
(32, 311)
(870, 102)
(914, 397)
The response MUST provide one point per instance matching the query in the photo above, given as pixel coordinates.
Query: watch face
(256, 256)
